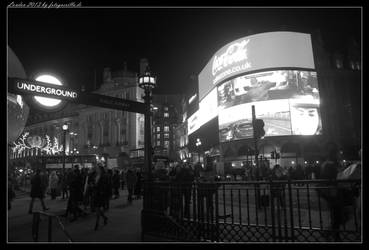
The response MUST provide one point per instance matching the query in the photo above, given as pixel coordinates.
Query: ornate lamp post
(147, 82)
(198, 144)
(65, 129)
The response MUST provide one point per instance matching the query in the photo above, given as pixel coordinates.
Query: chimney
(143, 65)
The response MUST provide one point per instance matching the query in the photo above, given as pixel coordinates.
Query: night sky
(178, 42)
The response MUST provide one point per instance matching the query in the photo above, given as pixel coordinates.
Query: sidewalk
(124, 222)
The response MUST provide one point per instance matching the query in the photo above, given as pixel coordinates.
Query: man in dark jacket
(116, 184)
(138, 186)
(37, 191)
(75, 193)
(329, 171)
(11, 193)
(109, 188)
(131, 179)
(184, 177)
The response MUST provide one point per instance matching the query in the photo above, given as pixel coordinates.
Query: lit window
(166, 128)
(158, 143)
(166, 136)
(166, 144)
(166, 108)
(166, 114)
(158, 136)
(157, 129)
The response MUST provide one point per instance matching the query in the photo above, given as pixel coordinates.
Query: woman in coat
(53, 184)
(131, 179)
(100, 193)
(37, 191)
(138, 186)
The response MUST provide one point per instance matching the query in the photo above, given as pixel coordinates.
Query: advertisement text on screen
(235, 53)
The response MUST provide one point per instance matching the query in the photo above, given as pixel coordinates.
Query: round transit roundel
(45, 101)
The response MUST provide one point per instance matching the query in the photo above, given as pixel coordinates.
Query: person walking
(109, 188)
(116, 184)
(37, 191)
(45, 181)
(277, 189)
(75, 193)
(99, 190)
(64, 185)
(336, 197)
(184, 177)
(11, 192)
(53, 184)
(138, 186)
(89, 189)
(131, 179)
(122, 178)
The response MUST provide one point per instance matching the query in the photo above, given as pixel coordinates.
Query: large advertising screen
(256, 52)
(193, 122)
(286, 100)
(209, 107)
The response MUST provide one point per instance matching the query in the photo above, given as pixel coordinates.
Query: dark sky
(177, 41)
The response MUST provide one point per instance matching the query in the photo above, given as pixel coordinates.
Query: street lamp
(198, 144)
(65, 129)
(147, 82)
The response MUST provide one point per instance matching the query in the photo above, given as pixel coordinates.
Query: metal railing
(254, 211)
(50, 217)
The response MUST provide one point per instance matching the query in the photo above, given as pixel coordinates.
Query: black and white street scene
(200, 125)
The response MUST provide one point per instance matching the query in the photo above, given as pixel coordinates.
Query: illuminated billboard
(287, 101)
(193, 122)
(209, 107)
(256, 52)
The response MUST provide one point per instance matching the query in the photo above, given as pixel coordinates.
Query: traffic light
(259, 128)
(277, 155)
(272, 155)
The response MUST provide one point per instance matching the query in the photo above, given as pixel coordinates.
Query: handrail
(290, 211)
(35, 225)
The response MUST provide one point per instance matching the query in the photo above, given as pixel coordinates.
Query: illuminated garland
(50, 148)
(21, 146)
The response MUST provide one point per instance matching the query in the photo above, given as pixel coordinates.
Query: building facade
(165, 121)
(91, 130)
(337, 80)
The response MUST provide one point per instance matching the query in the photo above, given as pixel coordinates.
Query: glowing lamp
(147, 81)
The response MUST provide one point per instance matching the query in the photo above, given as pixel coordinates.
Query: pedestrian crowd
(88, 190)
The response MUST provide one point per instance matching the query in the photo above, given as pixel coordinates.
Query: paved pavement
(124, 222)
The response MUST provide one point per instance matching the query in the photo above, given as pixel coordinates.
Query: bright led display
(287, 101)
(48, 102)
(256, 52)
(193, 123)
(209, 107)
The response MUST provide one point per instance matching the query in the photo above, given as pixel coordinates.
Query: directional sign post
(30, 87)
(112, 103)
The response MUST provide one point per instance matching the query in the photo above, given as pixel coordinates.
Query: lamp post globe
(147, 82)
(65, 128)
